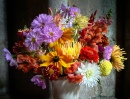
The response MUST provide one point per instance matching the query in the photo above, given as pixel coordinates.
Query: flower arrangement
(66, 43)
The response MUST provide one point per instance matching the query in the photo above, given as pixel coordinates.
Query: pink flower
(77, 78)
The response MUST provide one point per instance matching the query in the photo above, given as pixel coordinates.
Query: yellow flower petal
(60, 68)
(66, 36)
(118, 58)
(105, 67)
(64, 64)
(47, 63)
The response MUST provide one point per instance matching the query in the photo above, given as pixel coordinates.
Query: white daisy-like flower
(91, 74)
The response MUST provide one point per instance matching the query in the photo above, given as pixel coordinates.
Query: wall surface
(3, 44)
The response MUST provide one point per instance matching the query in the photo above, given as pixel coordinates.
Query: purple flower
(65, 10)
(73, 11)
(100, 48)
(33, 39)
(41, 20)
(9, 58)
(39, 81)
(51, 33)
(107, 52)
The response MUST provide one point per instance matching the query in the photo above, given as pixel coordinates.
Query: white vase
(62, 89)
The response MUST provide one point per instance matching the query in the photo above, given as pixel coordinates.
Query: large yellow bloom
(56, 58)
(118, 58)
(71, 49)
(80, 21)
(66, 36)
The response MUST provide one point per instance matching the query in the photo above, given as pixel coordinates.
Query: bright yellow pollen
(89, 73)
(51, 71)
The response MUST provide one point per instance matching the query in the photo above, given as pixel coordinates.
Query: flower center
(66, 9)
(33, 39)
(51, 33)
(75, 13)
(42, 24)
(56, 58)
(88, 73)
(51, 71)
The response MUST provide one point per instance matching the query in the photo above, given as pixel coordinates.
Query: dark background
(21, 13)
(123, 39)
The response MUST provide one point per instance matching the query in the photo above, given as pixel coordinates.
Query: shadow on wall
(123, 39)
(21, 13)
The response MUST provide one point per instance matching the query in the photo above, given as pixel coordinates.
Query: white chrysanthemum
(91, 74)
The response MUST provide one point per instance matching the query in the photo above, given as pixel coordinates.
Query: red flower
(52, 72)
(18, 47)
(88, 53)
(73, 68)
(82, 37)
(26, 63)
(77, 78)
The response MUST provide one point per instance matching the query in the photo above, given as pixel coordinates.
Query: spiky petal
(118, 58)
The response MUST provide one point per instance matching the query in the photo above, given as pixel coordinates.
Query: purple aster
(51, 33)
(65, 10)
(107, 52)
(39, 81)
(41, 20)
(73, 11)
(33, 39)
(9, 58)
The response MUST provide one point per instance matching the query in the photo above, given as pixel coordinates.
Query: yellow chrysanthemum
(118, 58)
(66, 36)
(56, 58)
(80, 21)
(71, 49)
(105, 67)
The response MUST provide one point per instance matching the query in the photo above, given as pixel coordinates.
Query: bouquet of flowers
(66, 43)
